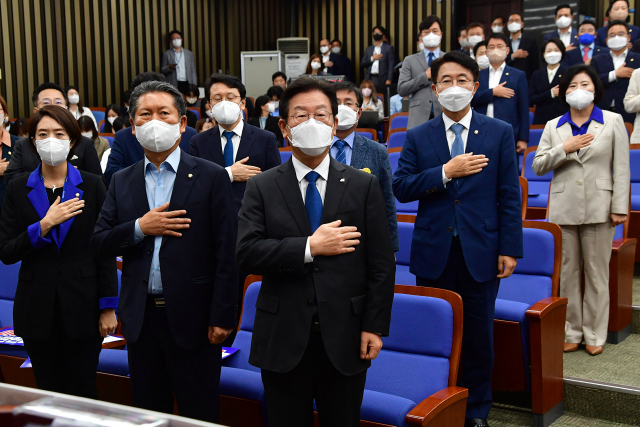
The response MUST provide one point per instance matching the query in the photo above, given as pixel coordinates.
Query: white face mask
(336, 50)
(276, 105)
(157, 136)
(347, 117)
(497, 28)
(563, 22)
(2, 119)
(617, 42)
(192, 100)
(111, 119)
(464, 43)
(315, 65)
(226, 112)
(553, 58)
(209, 113)
(497, 56)
(420, 47)
(53, 151)
(270, 107)
(324, 49)
(514, 27)
(474, 40)
(431, 40)
(311, 137)
(483, 62)
(74, 99)
(455, 98)
(176, 43)
(366, 92)
(88, 135)
(580, 99)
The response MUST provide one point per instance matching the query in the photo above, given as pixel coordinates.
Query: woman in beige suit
(588, 151)
(632, 104)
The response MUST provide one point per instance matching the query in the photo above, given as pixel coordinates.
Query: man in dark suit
(504, 92)
(321, 241)
(332, 64)
(252, 150)
(125, 150)
(462, 168)
(336, 47)
(24, 160)
(523, 54)
(463, 41)
(172, 218)
(363, 153)
(615, 70)
(563, 20)
(588, 47)
(379, 60)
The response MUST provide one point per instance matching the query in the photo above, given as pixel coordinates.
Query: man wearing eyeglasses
(461, 167)
(24, 160)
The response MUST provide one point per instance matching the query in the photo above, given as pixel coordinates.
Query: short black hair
(194, 89)
(382, 29)
(118, 124)
(569, 74)
(260, 101)
(172, 32)
(563, 6)
(517, 13)
(461, 29)
(64, 118)
(557, 42)
(350, 87)
(87, 124)
(278, 74)
(126, 95)
(611, 7)
(588, 22)
(617, 22)
(229, 81)
(336, 40)
(484, 43)
(304, 85)
(429, 21)
(475, 25)
(45, 86)
(275, 91)
(148, 76)
(498, 17)
(500, 36)
(459, 58)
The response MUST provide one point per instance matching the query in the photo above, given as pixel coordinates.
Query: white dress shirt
(566, 37)
(235, 139)
(321, 184)
(325, 58)
(181, 68)
(375, 67)
(494, 80)
(451, 136)
(618, 60)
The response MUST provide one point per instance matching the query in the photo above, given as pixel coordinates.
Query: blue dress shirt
(591, 47)
(395, 104)
(159, 186)
(348, 147)
(596, 115)
(436, 54)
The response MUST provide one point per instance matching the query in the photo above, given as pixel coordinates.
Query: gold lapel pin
(190, 175)
(9, 152)
(560, 76)
(596, 126)
(631, 59)
(77, 194)
(507, 74)
(475, 131)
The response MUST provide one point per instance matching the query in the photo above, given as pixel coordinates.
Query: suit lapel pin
(190, 175)
(596, 126)
(341, 179)
(560, 76)
(507, 74)
(9, 152)
(631, 59)
(475, 131)
(77, 194)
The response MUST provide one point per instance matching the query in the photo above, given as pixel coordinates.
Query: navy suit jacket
(556, 33)
(370, 154)
(485, 205)
(634, 32)
(199, 270)
(514, 111)
(547, 108)
(257, 144)
(529, 64)
(617, 89)
(574, 57)
(126, 150)
(386, 64)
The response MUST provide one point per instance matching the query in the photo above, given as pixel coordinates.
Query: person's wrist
(312, 246)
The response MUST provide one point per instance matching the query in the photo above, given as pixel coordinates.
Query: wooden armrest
(435, 404)
(620, 244)
(545, 306)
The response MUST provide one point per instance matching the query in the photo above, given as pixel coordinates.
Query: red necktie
(585, 57)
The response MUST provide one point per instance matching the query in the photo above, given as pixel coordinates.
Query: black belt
(156, 299)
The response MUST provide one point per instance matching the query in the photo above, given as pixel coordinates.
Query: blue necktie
(342, 156)
(228, 148)
(456, 149)
(429, 61)
(313, 201)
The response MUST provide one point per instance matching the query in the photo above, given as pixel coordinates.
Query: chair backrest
(98, 115)
(524, 195)
(368, 132)
(629, 127)
(196, 111)
(527, 168)
(531, 116)
(110, 139)
(634, 165)
(396, 139)
(398, 120)
(421, 354)
(8, 285)
(537, 275)
(285, 156)
(245, 329)
(101, 126)
(405, 237)
(534, 137)
(394, 156)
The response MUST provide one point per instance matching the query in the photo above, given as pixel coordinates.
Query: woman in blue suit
(543, 86)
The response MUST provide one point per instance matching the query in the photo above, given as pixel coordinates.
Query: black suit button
(450, 229)
(316, 271)
(309, 303)
(457, 202)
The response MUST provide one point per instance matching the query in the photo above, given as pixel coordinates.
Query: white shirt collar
(302, 170)
(237, 130)
(621, 56)
(173, 160)
(465, 121)
(499, 70)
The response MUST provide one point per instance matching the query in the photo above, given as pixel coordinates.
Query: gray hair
(155, 86)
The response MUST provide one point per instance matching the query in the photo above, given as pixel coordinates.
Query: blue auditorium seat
(403, 256)
(534, 137)
(393, 159)
(8, 284)
(110, 139)
(195, 111)
(398, 121)
(285, 156)
(367, 133)
(114, 362)
(531, 116)
(396, 140)
(634, 164)
(538, 185)
(98, 115)
(410, 208)
(102, 128)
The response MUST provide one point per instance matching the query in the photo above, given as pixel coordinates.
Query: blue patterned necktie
(456, 149)
(341, 156)
(313, 201)
(228, 148)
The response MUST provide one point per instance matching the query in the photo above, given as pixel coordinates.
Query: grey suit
(168, 57)
(413, 81)
(385, 66)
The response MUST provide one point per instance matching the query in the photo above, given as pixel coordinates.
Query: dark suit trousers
(160, 370)
(479, 300)
(290, 395)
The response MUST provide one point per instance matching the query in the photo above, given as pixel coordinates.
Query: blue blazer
(199, 271)
(6, 154)
(126, 150)
(257, 144)
(574, 57)
(616, 90)
(370, 154)
(486, 205)
(547, 108)
(634, 32)
(574, 36)
(514, 111)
